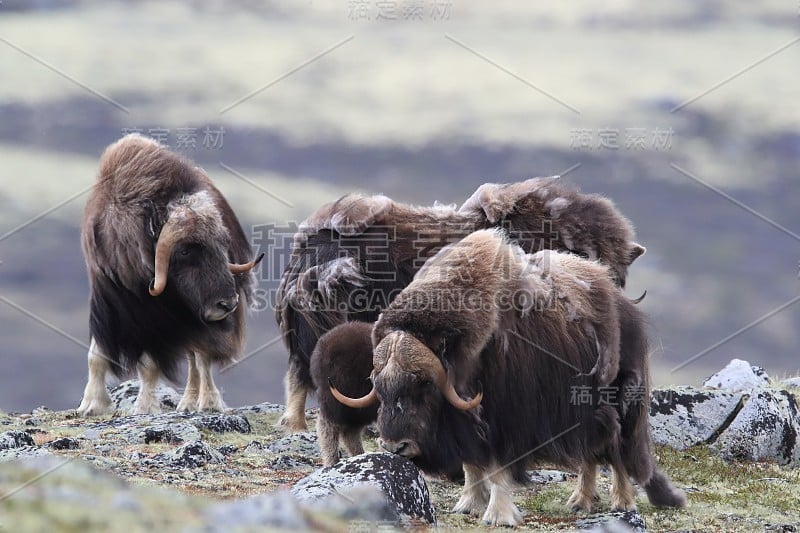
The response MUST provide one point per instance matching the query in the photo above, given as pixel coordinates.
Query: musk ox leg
(662, 493)
(96, 400)
(149, 373)
(586, 490)
(328, 436)
(475, 496)
(209, 398)
(501, 510)
(294, 418)
(189, 399)
(623, 493)
(351, 440)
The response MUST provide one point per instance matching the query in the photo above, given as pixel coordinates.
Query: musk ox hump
(349, 215)
(496, 200)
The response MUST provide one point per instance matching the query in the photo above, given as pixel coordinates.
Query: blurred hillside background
(685, 113)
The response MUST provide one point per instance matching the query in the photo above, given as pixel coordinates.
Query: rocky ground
(731, 446)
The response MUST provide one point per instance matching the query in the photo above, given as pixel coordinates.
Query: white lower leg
(501, 510)
(586, 489)
(328, 438)
(146, 402)
(189, 399)
(475, 495)
(209, 398)
(623, 493)
(294, 418)
(96, 400)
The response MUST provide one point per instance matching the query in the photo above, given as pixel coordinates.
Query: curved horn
(245, 267)
(640, 298)
(357, 403)
(449, 391)
(170, 235)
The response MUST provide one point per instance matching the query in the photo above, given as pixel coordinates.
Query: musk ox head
(191, 258)
(412, 385)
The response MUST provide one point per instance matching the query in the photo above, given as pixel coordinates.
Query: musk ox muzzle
(402, 352)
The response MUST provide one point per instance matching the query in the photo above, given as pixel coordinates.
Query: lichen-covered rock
(766, 429)
(549, 476)
(738, 376)
(15, 439)
(279, 510)
(64, 443)
(123, 396)
(299, 443)
(614, 522)
(791, 383)
(192, 455)
(262, 408)
(684, 416)
(24, 452)
(222, 423)
(400, 481)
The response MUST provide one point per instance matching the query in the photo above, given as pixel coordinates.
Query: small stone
(299, 443)
(64, 443)
(123, 396)
(738, 376)
(791, 383)
(193, 455)
(262, 408)
(15, 439)
(227, 449)
(613, 522)
(549, 476)
(222, 423)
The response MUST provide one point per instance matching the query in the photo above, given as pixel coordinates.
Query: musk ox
(169, 265)
(352, 256)
(483, 361)
(342, 356)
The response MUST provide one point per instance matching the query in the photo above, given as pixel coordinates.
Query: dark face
(408, 413)
(199, 274)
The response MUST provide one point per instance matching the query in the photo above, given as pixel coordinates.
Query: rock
(64, 443)
(24, 452)
(222, 423)
(167, 433)
(791, 383)
(299, 443)
(192, 455)
(549, 476)
(227, 449)
(766, 429)
(265, 408)
(123, 396)
(279, 510)
(15, 439)
(290, 462)
(684, 416)
(399, 480)
(738, 376)
(613, 522)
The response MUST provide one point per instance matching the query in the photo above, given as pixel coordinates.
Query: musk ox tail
(662, 493)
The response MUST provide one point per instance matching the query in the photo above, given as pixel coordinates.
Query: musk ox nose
(406, 448)
(229, 305)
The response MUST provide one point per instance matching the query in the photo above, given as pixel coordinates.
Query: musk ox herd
(482, 340)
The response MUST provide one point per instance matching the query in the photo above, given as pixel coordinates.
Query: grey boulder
(400, 482)
(738, 376)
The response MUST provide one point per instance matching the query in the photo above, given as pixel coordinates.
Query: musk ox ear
(636, 251)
